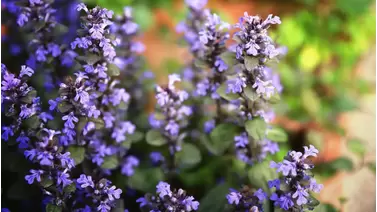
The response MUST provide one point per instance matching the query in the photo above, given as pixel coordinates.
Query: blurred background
(328, 76)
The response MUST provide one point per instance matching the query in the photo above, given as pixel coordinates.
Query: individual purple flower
(7, 132)
(69, 120)
(45, 158)
(63, 179)
(26, 71)
(209, 126)
(156, 157)
(235, 85)
(85, 181)
(113, 193)
(129, 165)
(234, 197)
(163, 189)
(35, 175)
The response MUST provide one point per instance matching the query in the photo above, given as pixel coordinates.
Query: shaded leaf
(136, 136)
(342, 164)
(277, 134)
(222, 137)
(229, 58)
(250, 93)
(46, 182)
(70, 188)
(110, 162)
(259, 174)
(256, 128)
(250, 62)
(189, 155)
(28, 99)
(77, 153)
(33, 122)
(372, 166)
(228, 96)
(356, 146)
(113, 70)
(215, 200)
(155, 138)
(64, 107)
(145, 180)
(53, 208)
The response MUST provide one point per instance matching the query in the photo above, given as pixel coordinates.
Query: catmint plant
(168, 200)
(293, 191)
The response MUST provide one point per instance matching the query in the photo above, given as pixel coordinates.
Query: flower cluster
(168, 200)
(292, 192)
(18, 99)
(172, 116)
(246, 200)
(40, 144)
(253, 82)
(250, 150)
(212, 38)
(101, 193)
(128, 57)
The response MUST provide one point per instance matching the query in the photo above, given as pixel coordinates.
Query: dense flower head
(102, 193)
(292, 192)
(254, 81)
(96, 39)
(250, 151)
(172, 114)
(247, 199)
(18, 99)
(168, 200)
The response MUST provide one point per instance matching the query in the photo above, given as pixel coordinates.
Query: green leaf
(222, 137)
(342, 164)
(214, 200)
(155, 138)
(46, 182)
(259, 174)
(33, 122)
(17, 191)
(356, 146)
(28, 99)
(228, 96)
(77, 153)
(113, 70)
(110, 162)
(372, 166)
(70, 188)
(275, 98)
(136, 136)
(256, 128)
(277, 135)
(250, 93)
(53, 208)
(229, 58)
(189, 155)
(200, 64)
(64, 107)
(325, 208)
(250, 62)
(145, 180)
(98, 122)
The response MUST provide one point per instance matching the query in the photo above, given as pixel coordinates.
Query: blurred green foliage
(324, 44)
